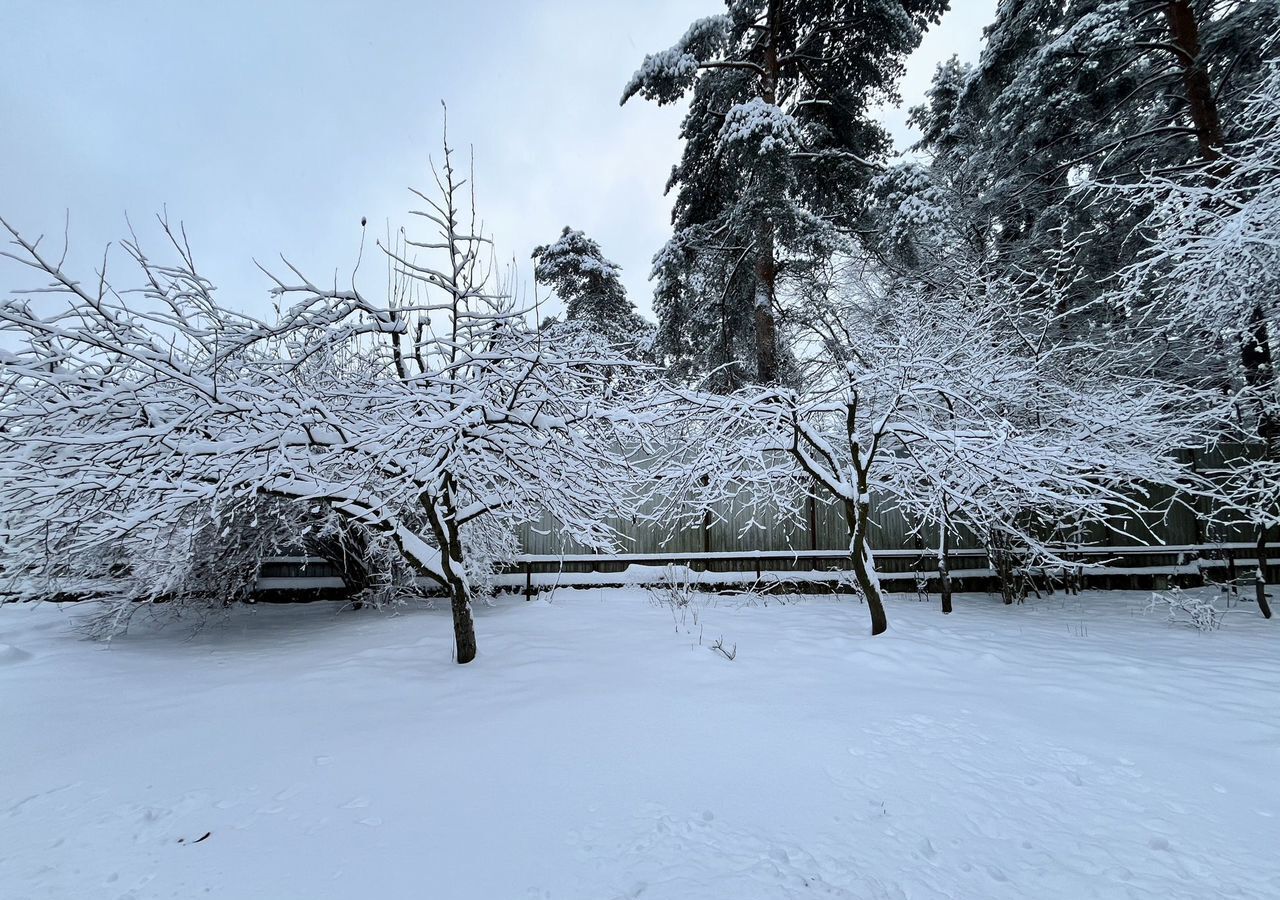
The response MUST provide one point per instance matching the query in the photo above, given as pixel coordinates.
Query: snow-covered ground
(1062, 749)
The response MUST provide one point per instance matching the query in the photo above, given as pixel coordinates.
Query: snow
(598, 748)
(764, 126)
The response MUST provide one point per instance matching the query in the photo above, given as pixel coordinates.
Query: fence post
(813, 523)
(706, 525)
(1232, 588)
(944, 564)
(528, 580)
(1260, 574)
(1198, 532)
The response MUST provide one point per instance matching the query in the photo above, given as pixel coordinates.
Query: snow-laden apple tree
(432, 420)
(939, 405)
(779, 141)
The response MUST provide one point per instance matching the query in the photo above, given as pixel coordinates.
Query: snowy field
(1062, 749)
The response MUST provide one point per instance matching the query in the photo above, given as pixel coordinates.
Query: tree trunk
(858, 515)
(464, 627)
(812, 503)
(443, 518)
(1184, 33)
(766, 267)
(1259, 374)
(1000, 558)
(706, 522)
(766, 331)
(864, 571)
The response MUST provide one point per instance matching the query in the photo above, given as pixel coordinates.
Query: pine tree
(590, 286)
(1075, 91)
(780, 144)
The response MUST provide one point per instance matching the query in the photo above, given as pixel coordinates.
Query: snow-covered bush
(676, 588)
(1186, 609)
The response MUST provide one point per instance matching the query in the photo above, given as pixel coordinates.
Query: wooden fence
(745, 541)
(742, 524)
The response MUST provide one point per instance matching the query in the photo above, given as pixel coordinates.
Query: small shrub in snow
(676, 589)
(1184, 609)
(729, 653)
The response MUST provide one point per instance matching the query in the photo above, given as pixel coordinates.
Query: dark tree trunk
(812, 504)
(1259, 374)
(858, 515)
(706, 522)
(464, 627)
(766, 267)
(766, 331)
(862, 570)
(1184, 33)
(442, 516)
(1003, 561)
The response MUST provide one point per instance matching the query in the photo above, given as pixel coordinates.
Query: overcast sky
(272, 126)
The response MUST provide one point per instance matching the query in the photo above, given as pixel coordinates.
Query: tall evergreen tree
(780, 143)
(590, 286)
(1074, 91)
